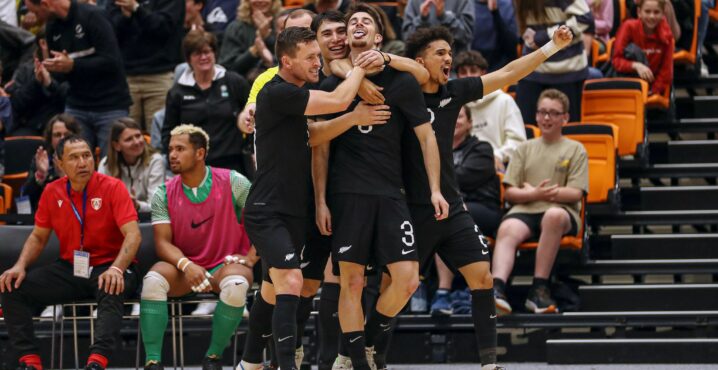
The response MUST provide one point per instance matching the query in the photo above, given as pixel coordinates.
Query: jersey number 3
(408, 230)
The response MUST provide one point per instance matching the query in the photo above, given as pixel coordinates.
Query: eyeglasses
(551, 113)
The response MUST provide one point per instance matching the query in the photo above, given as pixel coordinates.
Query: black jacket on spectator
(476, 174)
(97, 80)
(151, 38)
(33, 105)
(32, 189)
(214, 109)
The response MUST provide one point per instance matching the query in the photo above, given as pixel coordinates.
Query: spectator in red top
(96, 223)
(652, 34)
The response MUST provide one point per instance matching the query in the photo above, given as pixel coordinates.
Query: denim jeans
(96, 125)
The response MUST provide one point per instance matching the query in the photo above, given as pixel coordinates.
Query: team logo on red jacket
(96, 203)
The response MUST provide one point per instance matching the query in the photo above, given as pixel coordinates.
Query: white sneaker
(370, 357)
(204, 308)
(243, 365)
(342, 363)
(51, 311)
(299, 356)
(135, 309)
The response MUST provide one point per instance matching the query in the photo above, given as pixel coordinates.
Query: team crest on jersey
(96, 203)
(444, 102)
(79, 32)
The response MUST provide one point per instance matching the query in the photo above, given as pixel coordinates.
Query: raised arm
(523, 66)
(376, 59)
(323, 102)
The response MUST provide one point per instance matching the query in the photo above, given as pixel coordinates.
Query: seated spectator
(249, 40)
(35, 94)
(495, 118)
(44, 168)
(208, 96)
(91, 62)
(495, 32)
(96, 224)
(602, 11)
(133, 161)
(456, 15)
(565, 71)
(545, 181)
(478, 182)
(644, 47)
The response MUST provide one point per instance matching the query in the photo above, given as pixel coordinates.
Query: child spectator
(644, 47)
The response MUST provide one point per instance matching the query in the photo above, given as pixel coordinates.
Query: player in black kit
(275, 215)
(370, 221)
(457, 239)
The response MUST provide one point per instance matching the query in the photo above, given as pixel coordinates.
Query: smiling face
(202, 59)
(437, 59)
(650, 13)
(363, 33)
(77, 161)
(306, 63)
(131, 144)
(332, 38)
(550, 117)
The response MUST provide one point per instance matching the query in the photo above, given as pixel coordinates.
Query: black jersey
(282, 182)
(444, 107)
(367, 159)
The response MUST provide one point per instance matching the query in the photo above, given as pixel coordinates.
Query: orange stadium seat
(5, 198)
(598, 139)
(291, 4)
(690, 56)
(17, 165)
(662, 101)
(619, 101)
(532, 131)
(598, 58)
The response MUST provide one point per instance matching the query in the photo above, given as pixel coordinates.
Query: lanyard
(77, 214)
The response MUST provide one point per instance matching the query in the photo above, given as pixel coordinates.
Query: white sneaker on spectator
(204, 308)
(49, 311)
(342, 363)
(135, 309)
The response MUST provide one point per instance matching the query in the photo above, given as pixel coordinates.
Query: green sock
(224, 323)
(153, 322)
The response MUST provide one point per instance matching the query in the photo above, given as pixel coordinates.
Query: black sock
(356, 344)
(483, 312)
(328, 325)
(538, 282)
(260, 330)
(303, 311)
(500, 285)
(343, 348)
(379, 329)
(285, 331)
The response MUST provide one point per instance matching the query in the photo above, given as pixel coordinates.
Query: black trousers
(528, 92)
(56, 284)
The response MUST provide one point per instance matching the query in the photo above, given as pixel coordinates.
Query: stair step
(664, 246)
(595, 351)
(684, 151)
(678, 217)
(669, 198)
(649, 297)
(644, 266)
(685, 125)
(705, 106)
(672, 170)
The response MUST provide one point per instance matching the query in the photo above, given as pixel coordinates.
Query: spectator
(149, 34)
(644, 47)
(565, 71)
(545, 181)
(84, 51)
(495, 118)
(390, 43)
(44, 168)
(249, 39)
(322, 6)
(208, 96)
(193, 15)
(98, 243)
(495, 31)
(602, 11)
(456, 15)
(477, 179)
(218, 14)
(134, 162)
(36, 96)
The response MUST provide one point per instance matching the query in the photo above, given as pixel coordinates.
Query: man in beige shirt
(545, 181)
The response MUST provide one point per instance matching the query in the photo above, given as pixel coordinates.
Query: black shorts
(315, 253)
(371, 230)
(278, 238)
(533, 221)
(457, 239)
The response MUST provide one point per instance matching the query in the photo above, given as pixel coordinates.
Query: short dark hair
(333, 16)
(69, 140)
(470, 58)
(71, 125)
(288, 41)
(298, 13)
(196, 40)
(360, 7)
(420, 40)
